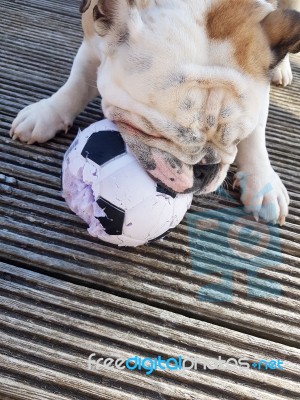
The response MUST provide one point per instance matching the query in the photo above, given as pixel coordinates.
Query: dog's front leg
(282, 73)
(262, 191)
(40, 121)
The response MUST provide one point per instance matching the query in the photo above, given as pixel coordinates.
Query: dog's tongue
(163, 167)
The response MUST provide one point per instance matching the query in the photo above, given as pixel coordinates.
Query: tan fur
(295, 4)
(271, 24)
(288, 36)
(226, 21)
(273, 2)
(88, 24)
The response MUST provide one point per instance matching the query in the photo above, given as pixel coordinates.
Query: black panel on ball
(161, 236)
(164, 190)
(104, 146)
(114, 220)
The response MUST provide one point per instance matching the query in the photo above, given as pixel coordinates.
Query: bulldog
(187, 83)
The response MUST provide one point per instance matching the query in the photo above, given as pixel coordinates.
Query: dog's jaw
(206, 125)
(205, 177)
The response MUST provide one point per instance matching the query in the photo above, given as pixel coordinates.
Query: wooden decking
(64, 295)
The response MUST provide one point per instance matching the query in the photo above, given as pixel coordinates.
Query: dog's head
(185, 81)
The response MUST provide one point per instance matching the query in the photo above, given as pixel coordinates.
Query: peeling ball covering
(103, 183)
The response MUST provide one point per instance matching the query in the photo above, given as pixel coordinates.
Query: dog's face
(186, 81)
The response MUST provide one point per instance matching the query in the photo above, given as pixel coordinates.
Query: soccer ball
(104, 184)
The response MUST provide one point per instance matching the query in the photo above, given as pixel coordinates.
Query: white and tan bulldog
(187, 83)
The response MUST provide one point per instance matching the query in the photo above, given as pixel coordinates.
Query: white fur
(263, 193)
(39, 122)
(282, 74)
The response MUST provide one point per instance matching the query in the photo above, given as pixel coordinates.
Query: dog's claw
(235, 183)
(281, 221)
(39, 122)
(256, 217)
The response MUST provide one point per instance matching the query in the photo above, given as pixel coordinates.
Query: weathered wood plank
(62, 324)
(49, 326)
(13, 389)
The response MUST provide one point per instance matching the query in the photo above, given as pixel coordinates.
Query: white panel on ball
(105, 185)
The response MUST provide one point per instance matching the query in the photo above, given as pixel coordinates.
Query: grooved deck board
(50, 327)
(65, 295)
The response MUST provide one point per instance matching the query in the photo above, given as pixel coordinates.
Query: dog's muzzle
(204, 174)
(168, 170)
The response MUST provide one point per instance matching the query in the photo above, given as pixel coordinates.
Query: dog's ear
(103, 14)
(118, 14)
(84, 6)
(282, 28)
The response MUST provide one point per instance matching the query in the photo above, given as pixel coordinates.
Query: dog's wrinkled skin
(187, 83)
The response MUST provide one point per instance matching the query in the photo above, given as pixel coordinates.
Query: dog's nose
(205, 172)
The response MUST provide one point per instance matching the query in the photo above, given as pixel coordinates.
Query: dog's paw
(264, 195)
(38, 122)
(282, 74)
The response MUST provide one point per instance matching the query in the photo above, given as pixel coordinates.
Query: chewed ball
(104, 184)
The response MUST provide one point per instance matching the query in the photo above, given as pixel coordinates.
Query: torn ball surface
(104, 184)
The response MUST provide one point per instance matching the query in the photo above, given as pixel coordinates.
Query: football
(103, 183)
